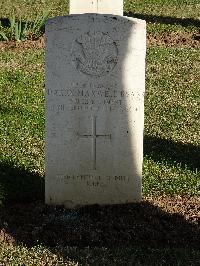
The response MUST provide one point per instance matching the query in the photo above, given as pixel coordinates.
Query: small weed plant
(18, 30)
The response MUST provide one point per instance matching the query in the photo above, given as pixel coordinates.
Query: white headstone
(95, 81)
(96, 6)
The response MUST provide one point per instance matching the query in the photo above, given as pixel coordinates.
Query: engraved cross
(94, 137)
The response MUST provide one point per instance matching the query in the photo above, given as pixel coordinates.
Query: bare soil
(174, 39)
(29, 44)
(155, 222)
(168, 39)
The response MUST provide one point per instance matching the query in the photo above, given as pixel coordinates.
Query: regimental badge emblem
(95, 54)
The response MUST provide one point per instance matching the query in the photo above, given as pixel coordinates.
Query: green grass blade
(20, 29)
(39, 22)
(12, 26)
(35, 24)
(12, 23)
(25, 31)
(17, 37)
(2, 34)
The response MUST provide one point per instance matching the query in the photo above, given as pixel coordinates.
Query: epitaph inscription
(91, 180)
(94, 53)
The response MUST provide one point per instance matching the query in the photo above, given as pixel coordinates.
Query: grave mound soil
(155, 222)
(174, 39)
(167, 39)
(29, 44)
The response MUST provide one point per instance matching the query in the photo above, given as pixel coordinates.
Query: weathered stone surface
(96, 6)
(95, 80)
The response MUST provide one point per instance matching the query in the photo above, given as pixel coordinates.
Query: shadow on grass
(184, 22)
(30, 222)
(140, 233)
(185, 155)
(19, 185)
(91, 233)
(5, 22)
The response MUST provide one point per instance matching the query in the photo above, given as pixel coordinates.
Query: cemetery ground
(164, 228)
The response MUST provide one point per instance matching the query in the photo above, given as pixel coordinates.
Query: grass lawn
(161, 15)
(171, 176)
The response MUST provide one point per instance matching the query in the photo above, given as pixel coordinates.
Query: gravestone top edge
(91, 15)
